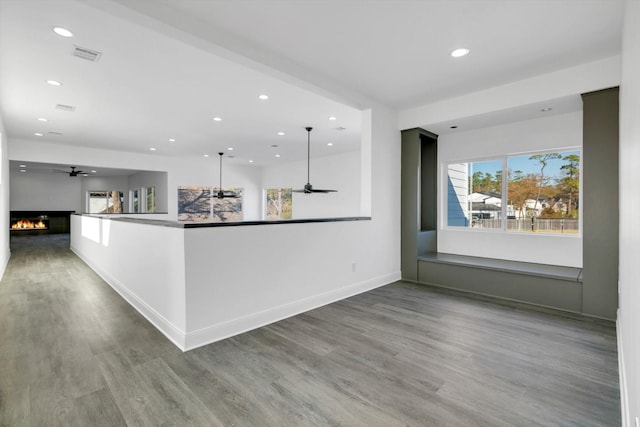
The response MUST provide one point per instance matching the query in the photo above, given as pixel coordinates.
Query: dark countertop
(180, 224)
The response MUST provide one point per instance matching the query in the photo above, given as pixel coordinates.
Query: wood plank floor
(73, 353)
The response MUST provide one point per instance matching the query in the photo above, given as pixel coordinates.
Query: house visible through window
(541, 193)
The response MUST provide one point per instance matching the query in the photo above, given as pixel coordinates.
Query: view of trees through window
(279, 203)
(102, 202)
(542, 193)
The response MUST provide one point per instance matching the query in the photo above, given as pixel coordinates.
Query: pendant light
(308, 188)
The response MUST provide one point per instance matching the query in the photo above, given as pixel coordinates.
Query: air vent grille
(54, 133)
(63, 107)
(88, 54)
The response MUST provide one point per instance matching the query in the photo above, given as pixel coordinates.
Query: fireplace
(39, 222)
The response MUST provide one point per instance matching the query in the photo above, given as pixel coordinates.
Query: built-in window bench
(546, 285)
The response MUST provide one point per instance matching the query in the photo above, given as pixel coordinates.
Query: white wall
(549, 133)
(572, 81)
(144, 263)
(629, 273)
(339, 172)
(240, 278)
(5, 251)
(104, 183)
(180, 171)
(33, 191)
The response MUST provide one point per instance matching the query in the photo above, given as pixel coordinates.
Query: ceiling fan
(71, 173)
(308, 188)
(221, 194)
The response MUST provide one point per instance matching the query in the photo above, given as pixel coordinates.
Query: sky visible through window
(522, 163)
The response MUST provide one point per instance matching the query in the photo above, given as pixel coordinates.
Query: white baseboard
(239, 325)
(622, 372)
(220, 331)
(168, 329)
(4, 265)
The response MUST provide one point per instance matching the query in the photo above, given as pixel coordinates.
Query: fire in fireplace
(26, 224)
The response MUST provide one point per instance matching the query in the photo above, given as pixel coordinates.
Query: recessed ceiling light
(152, 149)
(281, 133)
(62, 32)
(330, 144)
(230, 148)
(42, 119)
(217, 119)
(93, 172)
(460, 52)
(264, 97)
(332, 118)
(206, 155)
(250, 161)
(23, 166)
(22, 170)
(544, 110)
(172, 140)
(38, 134)
(277, 155)
(54, 83)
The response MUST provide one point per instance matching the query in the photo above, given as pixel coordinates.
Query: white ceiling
(87, 171)
(169, 66)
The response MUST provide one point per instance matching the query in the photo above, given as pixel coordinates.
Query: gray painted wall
(597, 295)
(414, 178)
(600, 203)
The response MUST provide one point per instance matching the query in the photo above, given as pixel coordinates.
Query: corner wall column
(418, 199)
(600, 207)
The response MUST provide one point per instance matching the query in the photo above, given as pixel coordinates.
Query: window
(151, 199)
(135, 200)
(279, 202)
(541, 193)
(143, 200)
(102, 202)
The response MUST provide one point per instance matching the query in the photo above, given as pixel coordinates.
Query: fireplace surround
(39, 222)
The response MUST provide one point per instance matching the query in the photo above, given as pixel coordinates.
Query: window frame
(504, 158)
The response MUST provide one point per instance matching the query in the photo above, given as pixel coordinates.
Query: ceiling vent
(340, 128)
(63, 107)
(54, 133)
(88, 54)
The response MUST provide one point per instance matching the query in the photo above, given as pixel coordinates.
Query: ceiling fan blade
(308, 189)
